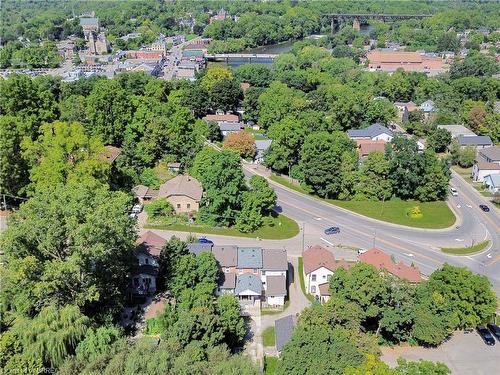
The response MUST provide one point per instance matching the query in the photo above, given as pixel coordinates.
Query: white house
(375, 132)
(428, 106)
(319, 265)
(148, 250)
(492, 183)
(487, 163)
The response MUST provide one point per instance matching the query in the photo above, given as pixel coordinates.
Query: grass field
(436, 215)
(268, 338)
(270, 364)
(281, 228)
(466, 250)
(302, 283)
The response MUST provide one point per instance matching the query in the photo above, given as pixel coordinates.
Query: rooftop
(183, 185)
(276, 286)
(263, 144)
(221, 118)
(274, 260)
(230, 126)
(324, 289)
(227, 280)
(150, 243)
(490, 154)
(196, 248)
(248, 282)
(249, 257)
(366, 146)
(317, 256)
(111, 153)
(369, 132)
(381, 260)
(226, 255)
(457, 130)
(474, 140)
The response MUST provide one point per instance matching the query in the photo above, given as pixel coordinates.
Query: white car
(137, 208)
(453, 192)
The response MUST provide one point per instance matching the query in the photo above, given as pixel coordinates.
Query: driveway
(464, 354)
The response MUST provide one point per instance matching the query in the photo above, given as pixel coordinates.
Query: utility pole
(374, 235)
(303, 236)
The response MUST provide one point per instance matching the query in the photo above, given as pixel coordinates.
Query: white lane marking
(458, 206)
(459, 239)
(468, 205)
(318, 218)
(328, 242)
(488, 255)
(408, 254)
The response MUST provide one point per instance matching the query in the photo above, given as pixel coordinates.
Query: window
(324, 276)
(178, 205)
(329, 277)
(255, 270)
(146, 260)
(313, 289)
(263, 273)
(313, 278)
(188, 206)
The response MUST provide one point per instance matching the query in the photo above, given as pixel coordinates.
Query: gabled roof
(495, 179)
(490, 153)
(89, 21)
(249, 257)
(324, 289)
(196, 248)
(220, 118)
(230, 126)
(283, 329)
(383, 261)
(226, 255)
(485, 166)
(369, 132)
(473, 140)
(317, 256)
(263, 144)
(365, 146)
(111, 153)
(227, 280)
(274, 260)
(150, 243)
(248, 281)
(182, 185)
(427, 103)
(276, 286)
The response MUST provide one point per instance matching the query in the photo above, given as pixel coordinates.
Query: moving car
(486, 335)
(205, 240)
(484, 207)
(495, 330)
(332, 230)
(453, 192)
(137, 208)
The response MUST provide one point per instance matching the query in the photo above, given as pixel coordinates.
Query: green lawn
(257, 134)
(302, 283)
(280, 228)
(436, 215)
(466, 250)
(268, 337)
(270, 364)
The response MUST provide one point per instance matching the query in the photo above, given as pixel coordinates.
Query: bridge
(240, 56)
(359, 18)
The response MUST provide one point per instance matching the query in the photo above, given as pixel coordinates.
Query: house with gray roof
(261, 145)
(248, 287)
(227, 283)
(227, 128)
(428, 106)
(492, 183)
(283, 330)
(489, 155)
(197, 248)
(375, 132)
(226, 256)
(249, 258)
(477, 141)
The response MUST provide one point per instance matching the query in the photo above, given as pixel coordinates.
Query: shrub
(158, 208)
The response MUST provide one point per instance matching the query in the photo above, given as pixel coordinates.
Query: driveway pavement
(464, 354)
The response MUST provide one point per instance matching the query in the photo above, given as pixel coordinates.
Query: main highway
(410, 245)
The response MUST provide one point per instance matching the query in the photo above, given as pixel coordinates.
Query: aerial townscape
(243, 187)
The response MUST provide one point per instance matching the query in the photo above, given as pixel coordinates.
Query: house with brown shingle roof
(319, 265)
(366, 146)
(382, 261)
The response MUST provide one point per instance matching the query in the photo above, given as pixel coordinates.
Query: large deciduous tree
(242, 142)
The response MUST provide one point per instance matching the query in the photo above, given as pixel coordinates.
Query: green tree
(278, 101)
(225, 95)
(320, 160)
(251, 104)
(475, 64)
(380, 111)
(160, 207)
(373, 179)
(169, 255)
(439, 139)
(97, 342)
(190, 270)
(215, 75)
(231, 321)
(255, 74)
(434, 180)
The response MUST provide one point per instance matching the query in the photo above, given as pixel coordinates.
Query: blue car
(205, 240)
(332, 230)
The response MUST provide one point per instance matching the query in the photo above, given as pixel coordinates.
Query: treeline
(367, 307)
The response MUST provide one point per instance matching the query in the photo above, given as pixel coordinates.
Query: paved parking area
(464, 354)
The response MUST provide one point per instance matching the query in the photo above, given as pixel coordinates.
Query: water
(274, 49)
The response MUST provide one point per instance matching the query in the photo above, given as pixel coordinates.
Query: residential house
(366, 146)
(382, 261)
(428, 107)
(219, 118)
(477, 141)
(492, 183)
(489, 155)
(147, 254)
(457, 130)
(404, 110)
(220, 16)
(252, 273)
(261, 145)
(375, 132)
(111, 153)
(386, 60)
(197, 248)
(174, 167)
(319, 265)
(227, 128)
(283, 330)
(481, 169)
(183, 192)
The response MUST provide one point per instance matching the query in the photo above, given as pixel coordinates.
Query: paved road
(418, 246)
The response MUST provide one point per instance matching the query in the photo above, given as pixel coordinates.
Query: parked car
(495, 330)
(453, 192)
(484, 207)
(205, 240)
(137, 208)
(332, 230)
(486, 335)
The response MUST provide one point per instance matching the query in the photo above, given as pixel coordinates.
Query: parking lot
(464, 354)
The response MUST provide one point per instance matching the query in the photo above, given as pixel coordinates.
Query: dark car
(332, 230)
(484, 207)
(495, 330)
(486, 335)
(205, 240)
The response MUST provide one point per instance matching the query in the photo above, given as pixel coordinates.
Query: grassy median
(435, 215)
(466, 250)
(279, 228)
